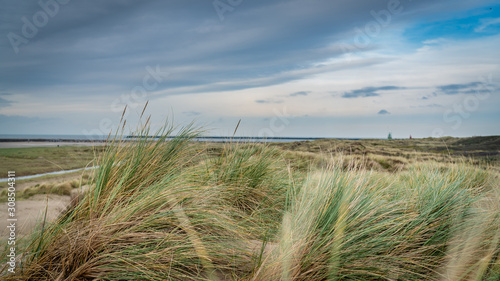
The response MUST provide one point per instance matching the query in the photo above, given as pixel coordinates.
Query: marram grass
(425, 224)
(164, 209)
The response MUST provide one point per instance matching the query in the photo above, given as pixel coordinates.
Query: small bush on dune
(44, 188)
(61, 189)
(76, 183)
(303, 161)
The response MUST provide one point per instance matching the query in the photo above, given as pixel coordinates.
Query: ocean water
(101, 138)
(51, 137)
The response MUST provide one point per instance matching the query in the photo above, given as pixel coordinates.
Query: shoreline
(47, 143)
(47, 140)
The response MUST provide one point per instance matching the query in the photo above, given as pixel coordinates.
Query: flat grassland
(38, 160)
(483, 150)
(420, 209)
(392, 155)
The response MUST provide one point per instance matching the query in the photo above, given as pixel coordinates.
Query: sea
(85, 138)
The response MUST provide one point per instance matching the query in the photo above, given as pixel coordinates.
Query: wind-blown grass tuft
(356, 225)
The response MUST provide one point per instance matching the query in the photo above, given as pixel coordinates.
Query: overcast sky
(308, 68)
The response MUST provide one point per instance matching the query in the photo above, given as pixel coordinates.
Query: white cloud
(485, 23)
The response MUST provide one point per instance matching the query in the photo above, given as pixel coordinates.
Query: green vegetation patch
(37, 160)
(61, 188)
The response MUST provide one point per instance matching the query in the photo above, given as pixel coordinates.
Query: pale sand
(30, 212)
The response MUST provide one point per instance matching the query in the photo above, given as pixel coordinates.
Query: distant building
(410, 137)
(389, 137)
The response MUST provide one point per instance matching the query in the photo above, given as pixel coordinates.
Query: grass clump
(62, 188)
(355, 225)
(149, 216)
(251, 178)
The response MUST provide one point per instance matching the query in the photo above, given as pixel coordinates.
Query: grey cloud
(192, 113)
(94, 43)
(269, 101)
(33, 125)
(249, 82)
(476, 91)
(369, 91)
(434, 105)
(301, 93)
(454, 89)
(383, 112)
(4, 102)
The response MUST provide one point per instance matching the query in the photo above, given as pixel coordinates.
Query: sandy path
(30, 212)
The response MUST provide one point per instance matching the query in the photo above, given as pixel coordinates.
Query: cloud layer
(82, 62)
(368, 91)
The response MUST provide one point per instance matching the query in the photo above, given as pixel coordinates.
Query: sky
(297, 68)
